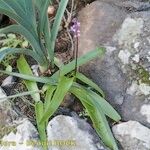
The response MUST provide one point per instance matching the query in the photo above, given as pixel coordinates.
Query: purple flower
(75, 28)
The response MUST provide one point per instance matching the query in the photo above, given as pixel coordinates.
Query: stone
(124, 56)
(145, 111)
(2, 95)
(136, 57)
(123, 72)
(145, 89)
(22, 138)
(130, 5)
(129, 31)
(70, 133)
(132, 135)
(137, 69)
(7, 114)
(98, 25)
(98, 28)
(8, 82)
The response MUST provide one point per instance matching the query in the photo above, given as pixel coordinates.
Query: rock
(124, 72)
(7, 115)
(130, 5)
(2, 95)
(124, 56)
(98, 25)
(21, 138)
(68, 133)
(145, 111)
(132, 135)
(137, 70)
(35, 70)
(8, 82)
(98, 28)
(129, 31)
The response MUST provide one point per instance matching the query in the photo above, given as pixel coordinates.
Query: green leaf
(102, 127)
(44, 25)
(57, 22)
(46, 80)
(61, 90)
(64, 69)
(32, 40)
(99, 102)
(25, 69)
(5, 51)
(106, 107)
(48, 97)
(39, 110)
(97, 116)
(19, 95)
(23, 12)
(89, 82)
(81, 60)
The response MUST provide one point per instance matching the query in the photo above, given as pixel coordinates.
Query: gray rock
(2, 95)
(7, 115)
(133, 37)
(132, 135)
(98, 28)
(130, 5)
(8, 82)
(6, 111)
(124, 71)
(98, 25)
(23, 138)
(68, 133)
(145, 111)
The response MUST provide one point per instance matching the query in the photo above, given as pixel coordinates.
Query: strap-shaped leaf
(101, 126)
(81, 60)
(44, 25)
(25, 69)
(64, 69)
(19, 95)
(5, 51)
(39, 110)
(34, 42)
(57, 22)
(49, 95)
(45, 80)
(99, 101)
(23, 13)
(97, 116)
(89, 82)
(61, 90)
(106, 107)
(48, 98)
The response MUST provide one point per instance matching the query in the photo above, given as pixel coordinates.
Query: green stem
(43, 68)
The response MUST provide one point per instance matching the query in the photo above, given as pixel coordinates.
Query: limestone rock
(21, 138)
(68, 133)
(132, 135)
(145, 111)
(123, 72)
(98, 25)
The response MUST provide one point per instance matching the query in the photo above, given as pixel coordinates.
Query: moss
(143, 75)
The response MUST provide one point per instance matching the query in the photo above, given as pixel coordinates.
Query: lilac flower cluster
(75, 28)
